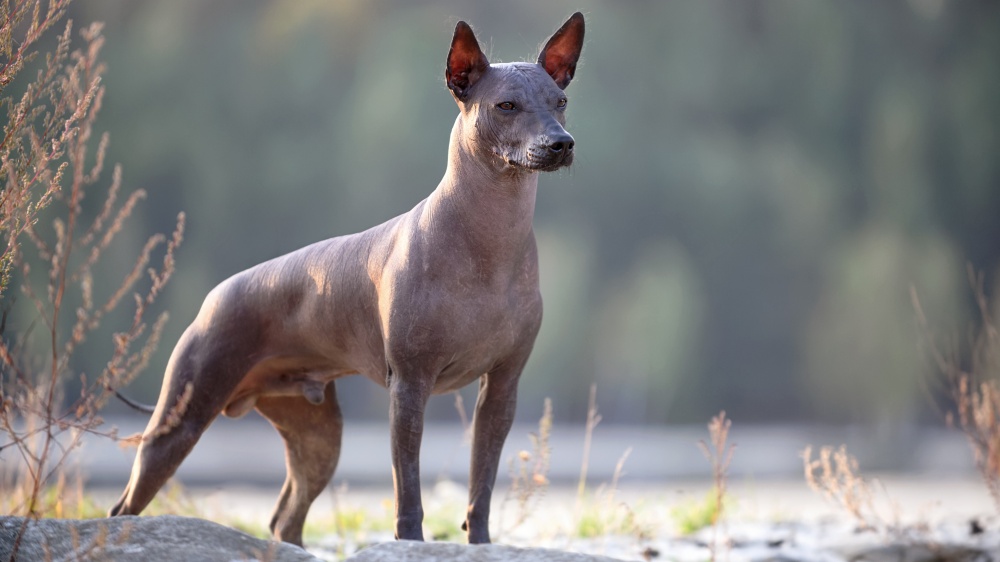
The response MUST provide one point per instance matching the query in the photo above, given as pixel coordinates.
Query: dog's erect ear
(466, 61)
(560, 54)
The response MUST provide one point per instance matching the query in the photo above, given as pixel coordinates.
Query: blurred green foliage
(757, 184)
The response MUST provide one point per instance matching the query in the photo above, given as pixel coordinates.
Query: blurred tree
(757, 184)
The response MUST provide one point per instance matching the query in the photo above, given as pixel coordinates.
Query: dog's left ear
(466, 61)
(560, 54)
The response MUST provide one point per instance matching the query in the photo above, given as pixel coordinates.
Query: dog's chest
(461, 333)
(481, 340)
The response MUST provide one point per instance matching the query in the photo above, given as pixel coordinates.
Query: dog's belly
(283, 376)
(307, 377)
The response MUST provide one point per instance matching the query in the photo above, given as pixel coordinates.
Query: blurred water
(250, 451)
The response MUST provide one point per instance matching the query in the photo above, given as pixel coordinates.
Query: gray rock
(127, 539)
(411, 551)
(918, 552)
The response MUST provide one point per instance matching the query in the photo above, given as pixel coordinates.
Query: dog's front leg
(408, 395)
(494, 415)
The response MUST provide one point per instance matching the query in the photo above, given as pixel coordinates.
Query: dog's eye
(561, 102)
(506, 105)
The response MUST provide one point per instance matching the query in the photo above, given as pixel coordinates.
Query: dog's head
(515, 112)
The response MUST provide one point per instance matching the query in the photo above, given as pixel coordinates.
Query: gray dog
(423, 304)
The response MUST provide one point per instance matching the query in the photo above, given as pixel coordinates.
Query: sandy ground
(907, 498)
(757, 510)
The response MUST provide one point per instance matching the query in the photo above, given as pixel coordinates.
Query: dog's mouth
(549, 164)
(537, 161)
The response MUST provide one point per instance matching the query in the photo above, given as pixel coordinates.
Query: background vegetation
(757, 185)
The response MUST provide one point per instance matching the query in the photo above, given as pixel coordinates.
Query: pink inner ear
(466, 60)
(559, 65)
(462, 63)
(562, 51)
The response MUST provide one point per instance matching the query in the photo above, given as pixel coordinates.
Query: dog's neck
(483, 201)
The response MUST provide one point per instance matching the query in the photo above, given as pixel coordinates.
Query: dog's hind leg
(312, 435)
(187, 405)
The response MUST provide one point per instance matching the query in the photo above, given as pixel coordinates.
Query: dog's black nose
(561, 144)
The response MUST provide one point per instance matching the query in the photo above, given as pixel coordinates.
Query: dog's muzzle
(555, 152)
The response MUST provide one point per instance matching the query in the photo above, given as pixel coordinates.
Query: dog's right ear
(466, 62)
(562, 51)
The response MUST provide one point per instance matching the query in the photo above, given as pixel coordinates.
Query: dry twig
(529, 471)
(972, 382)
(44, 173)
(835, 475)
(720, 455)
(593, 418)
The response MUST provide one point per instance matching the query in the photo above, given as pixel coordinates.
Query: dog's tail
(138, 406)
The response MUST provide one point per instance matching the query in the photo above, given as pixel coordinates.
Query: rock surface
(128, 539)
(411, 551)
(167, 537)
(170, 537)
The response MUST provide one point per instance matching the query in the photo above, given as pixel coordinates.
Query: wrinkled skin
(422, 304)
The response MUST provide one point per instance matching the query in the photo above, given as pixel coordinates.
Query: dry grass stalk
(593, 418)
(603, 514)
(464, 418)
(529, 470)
(606, 516)
(268, 555)
(720, 454)
(972, 383)
(835, 475)
(44, 172)
(174, 416)
(616, 476)
(123, 534)
(38, 126)
(96, 546)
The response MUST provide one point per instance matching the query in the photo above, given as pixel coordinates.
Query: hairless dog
(423, 304)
